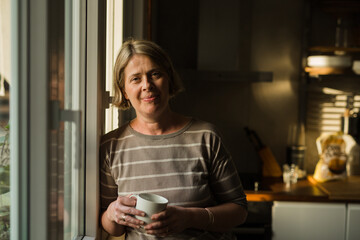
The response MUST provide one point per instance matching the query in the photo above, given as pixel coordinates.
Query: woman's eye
(135, 79)
(156, 74)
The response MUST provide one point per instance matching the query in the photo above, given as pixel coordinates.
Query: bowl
(329, 61)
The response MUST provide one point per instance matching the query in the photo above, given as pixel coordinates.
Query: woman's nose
(147, 83)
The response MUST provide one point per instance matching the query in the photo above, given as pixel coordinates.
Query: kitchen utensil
(270, 167)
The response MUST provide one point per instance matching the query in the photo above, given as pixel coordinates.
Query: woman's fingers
(162, 223)
(130, 221)
(161, 215)
(124, 211)
(127, 205)
(173, 220)
(158, 230)
(129, 210)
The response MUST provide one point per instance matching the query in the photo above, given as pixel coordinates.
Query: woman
(162, 152)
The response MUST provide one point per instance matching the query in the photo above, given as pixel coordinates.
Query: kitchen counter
(329, 205)
(307, 190)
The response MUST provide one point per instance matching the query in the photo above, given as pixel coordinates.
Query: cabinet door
(353, 219)
(298, 220)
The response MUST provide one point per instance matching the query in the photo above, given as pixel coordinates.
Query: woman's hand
(170, 221)
(122, 211)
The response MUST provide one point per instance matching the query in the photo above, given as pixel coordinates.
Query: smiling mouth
(150, 98)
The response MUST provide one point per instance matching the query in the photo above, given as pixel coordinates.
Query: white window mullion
(19, 121)
(93, 120)
(38, 121)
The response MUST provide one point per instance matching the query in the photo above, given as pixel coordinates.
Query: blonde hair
(128, 49)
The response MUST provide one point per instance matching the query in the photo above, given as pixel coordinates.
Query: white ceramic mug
(150, 204)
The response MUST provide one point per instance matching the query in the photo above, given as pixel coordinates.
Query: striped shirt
(190, 167)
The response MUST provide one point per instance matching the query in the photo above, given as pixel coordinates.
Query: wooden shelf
(316, 71)
(332, 49)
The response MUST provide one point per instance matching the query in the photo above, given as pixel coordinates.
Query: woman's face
(146, 87)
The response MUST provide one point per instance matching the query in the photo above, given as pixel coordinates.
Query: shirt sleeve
(108, 186)
(224, 178)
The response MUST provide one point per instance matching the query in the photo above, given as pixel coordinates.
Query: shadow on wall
(225, 104)
(258, 36)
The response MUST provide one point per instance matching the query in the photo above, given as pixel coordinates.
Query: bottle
(350, 126)
(353, 163)
(295, 151)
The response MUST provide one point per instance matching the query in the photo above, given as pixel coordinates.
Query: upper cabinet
(332, 44)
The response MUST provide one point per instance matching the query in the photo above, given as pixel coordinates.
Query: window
(47, 102)
(325, 109)
(58, 67)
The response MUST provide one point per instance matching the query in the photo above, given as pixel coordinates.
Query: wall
(276, 47)
(242, 36)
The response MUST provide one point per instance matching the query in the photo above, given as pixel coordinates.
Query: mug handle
(134, 195)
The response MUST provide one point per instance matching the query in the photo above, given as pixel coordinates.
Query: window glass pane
(4, 119)
(56, 158)
(66, 164)
(4, 170)
(74, 101)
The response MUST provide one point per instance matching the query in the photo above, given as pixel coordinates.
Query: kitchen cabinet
(305, 220)
(311, 210)
(353, 219)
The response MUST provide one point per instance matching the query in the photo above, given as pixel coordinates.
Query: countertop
(307, 190)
